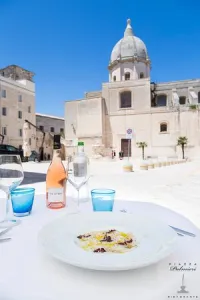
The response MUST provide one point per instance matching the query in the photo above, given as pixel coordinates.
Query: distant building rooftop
(49, 116)
(17, 73)
(94, 94)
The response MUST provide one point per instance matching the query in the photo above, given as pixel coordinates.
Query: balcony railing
(178, 108)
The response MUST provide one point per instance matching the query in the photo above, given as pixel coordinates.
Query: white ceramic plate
(156, 240)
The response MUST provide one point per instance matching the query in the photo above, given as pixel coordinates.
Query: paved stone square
(176, 187)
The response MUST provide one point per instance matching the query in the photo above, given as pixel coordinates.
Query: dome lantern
(128, 31)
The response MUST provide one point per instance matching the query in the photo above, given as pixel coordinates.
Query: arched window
(125, 99)
(127, 76)
(182, 100)
(198, 97)
(163, 127)
(161, 100)
(141, 75)
(114, 78)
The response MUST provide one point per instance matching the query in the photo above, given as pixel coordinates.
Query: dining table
(27, 272)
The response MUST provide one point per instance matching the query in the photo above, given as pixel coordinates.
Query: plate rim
(132, 266)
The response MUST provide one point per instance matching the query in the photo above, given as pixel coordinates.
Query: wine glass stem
(7, 202)
(78, 198)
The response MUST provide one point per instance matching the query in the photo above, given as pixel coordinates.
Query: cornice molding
(129, 59)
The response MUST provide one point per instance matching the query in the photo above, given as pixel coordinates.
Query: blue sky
(68, 43)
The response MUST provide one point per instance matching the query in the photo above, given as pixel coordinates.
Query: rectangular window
(125, 99)
(30, 141)
(29, 109)
(20, 132)
(3, 93)
(29, 126)
(41, 127)
(20, 114)
(4, 130)
(161, 100)
(4, 111)
(61, 130)
(182, 100)
(20, 98)
(52, 129)
(127, 76)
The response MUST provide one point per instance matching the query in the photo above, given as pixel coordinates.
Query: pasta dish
(107, 241)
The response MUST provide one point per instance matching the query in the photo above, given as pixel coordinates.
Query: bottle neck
(56, 154)
(80, 149)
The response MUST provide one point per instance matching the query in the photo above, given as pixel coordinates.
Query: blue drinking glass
(103, 199)
(22, 201)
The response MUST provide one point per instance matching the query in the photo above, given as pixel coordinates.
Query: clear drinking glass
(22, 201)
(11, 175)
(103, 199)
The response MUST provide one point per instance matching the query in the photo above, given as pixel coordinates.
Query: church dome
(129, 47)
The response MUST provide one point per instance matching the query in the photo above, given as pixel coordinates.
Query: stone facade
(17, 103)
(17, 73)
(50, 125)
(157, 113)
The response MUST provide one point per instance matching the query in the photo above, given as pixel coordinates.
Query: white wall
(11, 120)
(134, 68)
(87, 119)
(103, 115)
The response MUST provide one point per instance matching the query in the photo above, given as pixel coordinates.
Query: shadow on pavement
(32, 177)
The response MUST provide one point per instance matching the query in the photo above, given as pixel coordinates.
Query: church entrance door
(124, 147)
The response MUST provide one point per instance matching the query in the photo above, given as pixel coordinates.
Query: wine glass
(11, 175)
(78, 186)
(79, 182)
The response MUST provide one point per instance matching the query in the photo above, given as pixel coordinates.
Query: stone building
(50, 125)
(17, 103)
(158, 113)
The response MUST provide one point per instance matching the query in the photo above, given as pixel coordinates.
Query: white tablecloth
(28, 274)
